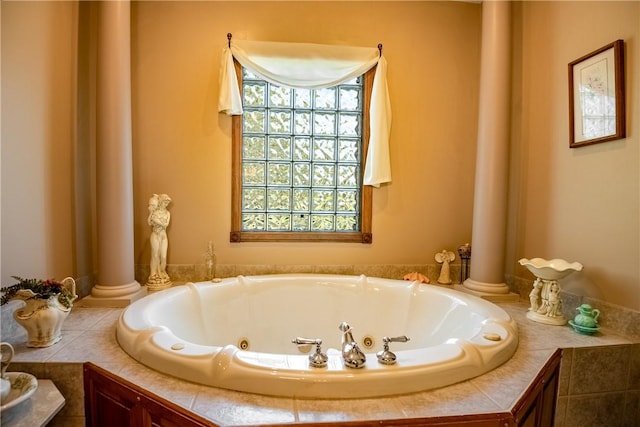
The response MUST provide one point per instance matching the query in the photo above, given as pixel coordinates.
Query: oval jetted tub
(237, 334)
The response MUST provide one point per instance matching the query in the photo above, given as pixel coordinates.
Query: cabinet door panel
(548, 398)
(110, 412)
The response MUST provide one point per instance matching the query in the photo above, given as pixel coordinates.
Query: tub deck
(89, 335)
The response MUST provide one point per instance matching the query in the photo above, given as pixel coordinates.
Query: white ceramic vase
(43, 318)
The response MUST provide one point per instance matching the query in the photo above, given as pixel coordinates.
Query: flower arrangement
(41, 289)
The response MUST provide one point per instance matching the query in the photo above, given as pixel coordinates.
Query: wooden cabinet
(112, 401)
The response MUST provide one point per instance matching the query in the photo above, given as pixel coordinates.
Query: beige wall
(182, 145)
(38, 107)
(580, 204)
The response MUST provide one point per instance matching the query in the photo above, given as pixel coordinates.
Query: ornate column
(490, 197)
(116, 285)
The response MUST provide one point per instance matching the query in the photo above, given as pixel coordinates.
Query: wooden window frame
(366, 192)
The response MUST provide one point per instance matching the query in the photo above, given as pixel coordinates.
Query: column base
(113, 296)
(490, 291)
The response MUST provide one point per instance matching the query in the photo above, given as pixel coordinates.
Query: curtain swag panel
(315, 66)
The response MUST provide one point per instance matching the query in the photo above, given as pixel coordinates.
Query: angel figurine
(444, 258)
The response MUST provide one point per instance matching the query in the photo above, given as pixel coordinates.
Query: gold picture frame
(596, 96)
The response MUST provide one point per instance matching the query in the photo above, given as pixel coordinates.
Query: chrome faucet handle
(386, 356)
(317, 359)
(402, 338)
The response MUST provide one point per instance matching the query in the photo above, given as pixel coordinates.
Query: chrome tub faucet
(351, 354)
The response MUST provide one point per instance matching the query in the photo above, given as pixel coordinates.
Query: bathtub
(237, 334)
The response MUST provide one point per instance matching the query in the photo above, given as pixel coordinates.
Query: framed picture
(596, 96)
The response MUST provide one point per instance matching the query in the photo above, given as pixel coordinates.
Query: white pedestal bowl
(546, 304)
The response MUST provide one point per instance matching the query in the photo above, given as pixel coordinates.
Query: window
(298, 160)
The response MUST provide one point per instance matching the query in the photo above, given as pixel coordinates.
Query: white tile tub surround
(495, 391)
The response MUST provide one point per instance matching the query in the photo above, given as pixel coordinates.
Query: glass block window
(299, 162)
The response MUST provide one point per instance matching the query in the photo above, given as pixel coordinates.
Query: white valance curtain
(315, 66)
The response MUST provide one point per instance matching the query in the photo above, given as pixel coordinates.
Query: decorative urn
(47, 305)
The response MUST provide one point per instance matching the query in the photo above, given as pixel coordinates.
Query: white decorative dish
(554, 269)
(22, 387)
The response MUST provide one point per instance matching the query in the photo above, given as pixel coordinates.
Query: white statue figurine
(534, 295)
(554, 300)
(444, 258)
(158, 219)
